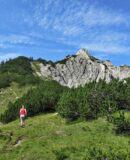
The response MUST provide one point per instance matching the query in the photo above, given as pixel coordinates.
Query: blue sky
(52, 29)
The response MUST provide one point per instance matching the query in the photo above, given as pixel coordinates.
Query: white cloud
(109, 37)
(15, 39)
(77, 17)
(102, 17)
(76, 23)
(5, 46)
(106, 48)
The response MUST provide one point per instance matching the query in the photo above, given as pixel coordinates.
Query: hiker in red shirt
(22, 113)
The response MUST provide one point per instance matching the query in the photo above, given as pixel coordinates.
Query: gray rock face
(83, 68)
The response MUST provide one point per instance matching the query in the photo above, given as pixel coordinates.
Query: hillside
(17, 76)
(91, 121)
(50, 137)
(73, 71)
(11, 94)
(18, 70)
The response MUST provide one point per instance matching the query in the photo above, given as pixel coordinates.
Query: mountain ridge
(72, 71)
(83, 68)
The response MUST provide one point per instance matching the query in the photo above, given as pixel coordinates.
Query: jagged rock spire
(84, 53)
(83, 68)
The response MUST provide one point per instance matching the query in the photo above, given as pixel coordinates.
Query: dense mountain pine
(17, 70)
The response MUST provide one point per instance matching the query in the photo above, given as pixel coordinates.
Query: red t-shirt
(23, 111)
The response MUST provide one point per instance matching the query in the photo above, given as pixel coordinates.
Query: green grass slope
(49, 137)
(10, 94)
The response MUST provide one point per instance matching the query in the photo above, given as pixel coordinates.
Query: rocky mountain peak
(83, 68)
(107, 62)
(84, 53)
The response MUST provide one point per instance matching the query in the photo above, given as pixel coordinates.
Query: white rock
(82, 69)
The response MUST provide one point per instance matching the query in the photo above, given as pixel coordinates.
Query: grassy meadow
(50, 137)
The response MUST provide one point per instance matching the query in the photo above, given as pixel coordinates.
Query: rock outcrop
(82, 68)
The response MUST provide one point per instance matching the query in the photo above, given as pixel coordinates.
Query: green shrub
(68, 106)
(17, 70)
(60, 155)
(44, 98)
(4, 80)
(100, 153)
(122, 124)
(94, 100)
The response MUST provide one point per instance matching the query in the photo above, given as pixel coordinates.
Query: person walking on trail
(23, 114)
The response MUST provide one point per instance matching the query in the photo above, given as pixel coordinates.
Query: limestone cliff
(82, 68)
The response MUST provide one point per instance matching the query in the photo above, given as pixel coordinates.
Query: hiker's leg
(20, 121)
(23, 121)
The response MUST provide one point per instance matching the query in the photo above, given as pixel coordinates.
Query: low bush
(94, 100)
(122, 124)
(100, 153)
(44, 98)
(17, 70)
